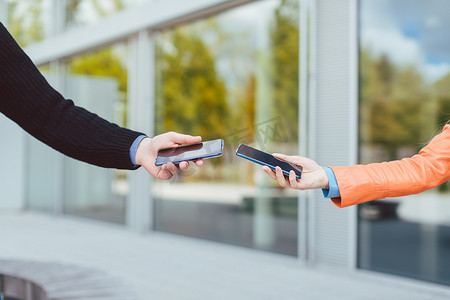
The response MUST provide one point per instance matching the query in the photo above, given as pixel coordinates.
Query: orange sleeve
(428, 169)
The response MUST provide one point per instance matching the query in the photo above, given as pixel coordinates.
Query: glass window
(97, 81)
(28, 20)
(83, 12)
(404, 102)
(232, 76)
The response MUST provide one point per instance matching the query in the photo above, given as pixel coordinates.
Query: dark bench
(31, 280)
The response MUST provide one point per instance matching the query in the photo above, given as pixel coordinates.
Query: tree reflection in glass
(232, 76)
(404, 101)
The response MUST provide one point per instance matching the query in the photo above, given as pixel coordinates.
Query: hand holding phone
(201, 150)
(266, 159)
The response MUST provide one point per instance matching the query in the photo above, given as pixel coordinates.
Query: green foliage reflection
(209, 74)
(25, 21)
(399, 110)
(284, 37)
(193, 94)
(398, 107)
(107, 62)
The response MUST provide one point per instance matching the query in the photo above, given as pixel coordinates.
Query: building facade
(341, 82)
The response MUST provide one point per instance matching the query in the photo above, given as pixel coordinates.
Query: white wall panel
(333, 137)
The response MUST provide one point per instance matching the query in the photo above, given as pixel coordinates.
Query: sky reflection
(409, 32)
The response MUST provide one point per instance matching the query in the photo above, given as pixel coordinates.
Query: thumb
(285, 158)
(178, 138)
(296, 160)
(304, 162)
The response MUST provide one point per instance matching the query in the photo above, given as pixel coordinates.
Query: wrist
(324, 182)
(141, 151)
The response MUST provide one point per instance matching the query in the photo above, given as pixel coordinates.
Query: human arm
(28, 99)
(362, 183)
(428, 169)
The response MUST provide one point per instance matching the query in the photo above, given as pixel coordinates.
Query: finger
(293, 180)
(164, 173)
(281, 179)
(269, 172)
(183, 165)
(184, 138)
(174, 170)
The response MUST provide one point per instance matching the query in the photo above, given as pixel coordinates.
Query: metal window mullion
(132, 197)
(150, 97)
(53, 17)
(141, 117)
(59, 16)
(144, 116)
(353, 125)
(303, 123)
(4, 12)
(312, 128)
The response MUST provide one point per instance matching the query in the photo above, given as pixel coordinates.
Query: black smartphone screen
(190, 152)
(265, 159)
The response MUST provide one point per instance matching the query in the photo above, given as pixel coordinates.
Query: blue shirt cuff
(333, 191)
(133, 148)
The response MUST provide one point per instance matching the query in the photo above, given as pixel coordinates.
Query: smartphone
(176, 155)
(266, 159)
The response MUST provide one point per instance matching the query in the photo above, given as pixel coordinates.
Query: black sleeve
(28, 99)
